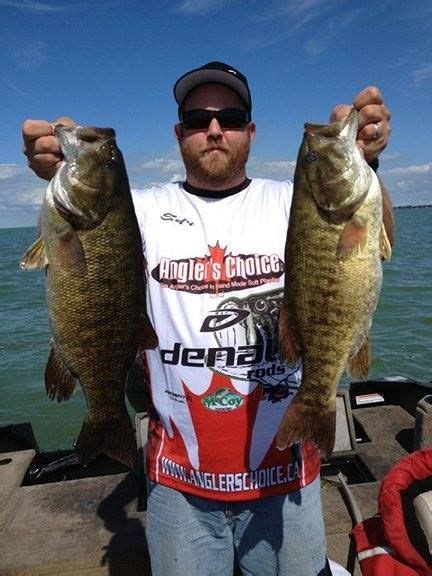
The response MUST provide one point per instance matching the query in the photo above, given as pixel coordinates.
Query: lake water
(401, 338)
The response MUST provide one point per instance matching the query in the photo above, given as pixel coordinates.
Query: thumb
(340, 112)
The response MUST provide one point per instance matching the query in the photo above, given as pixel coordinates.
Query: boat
(57, 517)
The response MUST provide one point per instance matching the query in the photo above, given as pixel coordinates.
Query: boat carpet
(390, 430)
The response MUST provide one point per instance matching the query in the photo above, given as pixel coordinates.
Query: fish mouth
(93, 134)
(75, 138)
(85, 133)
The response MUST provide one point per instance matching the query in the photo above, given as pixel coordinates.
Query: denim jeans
(274, 536)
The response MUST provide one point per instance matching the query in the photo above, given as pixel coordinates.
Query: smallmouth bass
(90, 247)
(335, 242)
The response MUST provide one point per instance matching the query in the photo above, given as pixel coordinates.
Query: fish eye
(311, 156)
(112, 163)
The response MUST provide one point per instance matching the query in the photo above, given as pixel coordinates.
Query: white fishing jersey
(215, 270)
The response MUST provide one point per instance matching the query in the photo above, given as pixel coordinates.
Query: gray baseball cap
(213, 72)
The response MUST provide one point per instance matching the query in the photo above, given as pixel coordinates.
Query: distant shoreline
(413, 206)
(408, 206)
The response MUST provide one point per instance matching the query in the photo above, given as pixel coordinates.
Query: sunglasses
(200, 119)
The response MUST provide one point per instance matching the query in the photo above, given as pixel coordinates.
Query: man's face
(214, 157)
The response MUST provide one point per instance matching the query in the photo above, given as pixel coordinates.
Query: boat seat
(423, 423)
(423, 509)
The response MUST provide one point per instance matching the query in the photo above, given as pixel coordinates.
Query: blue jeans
(274, 536)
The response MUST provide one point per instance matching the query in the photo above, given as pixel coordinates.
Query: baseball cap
(213, 72)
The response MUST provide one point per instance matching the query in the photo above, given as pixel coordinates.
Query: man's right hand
(41, 147)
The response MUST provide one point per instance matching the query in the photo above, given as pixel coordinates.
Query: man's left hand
(373, 121)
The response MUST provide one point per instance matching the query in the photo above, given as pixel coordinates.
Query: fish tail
(302, 421)
(115, 438)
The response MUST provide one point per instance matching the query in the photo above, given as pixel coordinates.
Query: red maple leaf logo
(216, 262)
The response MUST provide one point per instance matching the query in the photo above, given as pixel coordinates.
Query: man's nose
(214, 128)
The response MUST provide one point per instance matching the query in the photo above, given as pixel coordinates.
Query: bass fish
(336, 240)
(90, 247)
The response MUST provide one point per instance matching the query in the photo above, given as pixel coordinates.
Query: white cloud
(422, 74)
(21, 192)
(164, 165)
(298, 17)
(416, 15)
(403, 185)
(201, 7)
(9, 170)
(169, 167)
(29, 55)
(19, 90)
(302, 10)
(418, 169)
(33, 6)
(276, 169)
(387, 156)
(409, 184)
(177, 177)
(30, 198)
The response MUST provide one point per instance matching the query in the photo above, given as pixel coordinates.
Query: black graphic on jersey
(258, 328)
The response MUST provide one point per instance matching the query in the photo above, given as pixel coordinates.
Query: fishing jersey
(215, 277)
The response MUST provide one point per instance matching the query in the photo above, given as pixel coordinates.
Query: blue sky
(113, 63)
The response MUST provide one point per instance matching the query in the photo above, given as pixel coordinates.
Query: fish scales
(330, 293)
(90, 245)
(102, 309)
(325, 291)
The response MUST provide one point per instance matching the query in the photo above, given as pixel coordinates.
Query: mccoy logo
(223, 401)
(218, 271)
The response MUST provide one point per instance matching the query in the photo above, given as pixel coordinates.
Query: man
(219, 491)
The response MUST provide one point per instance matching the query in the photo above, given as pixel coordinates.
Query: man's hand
(41, 146)
(374, 121)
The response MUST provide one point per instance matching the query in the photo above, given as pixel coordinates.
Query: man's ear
(178, 130)
(251, 128)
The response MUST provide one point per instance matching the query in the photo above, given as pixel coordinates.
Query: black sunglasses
(200, 118)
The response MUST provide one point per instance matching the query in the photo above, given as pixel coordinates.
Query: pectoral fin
(35, 256)
(384, 243)
(353, 237)
(358, 366)
(59, 382)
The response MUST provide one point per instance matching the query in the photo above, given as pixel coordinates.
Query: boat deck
(92, 526)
